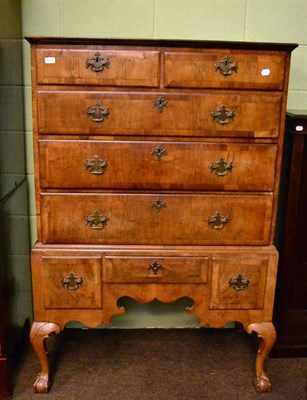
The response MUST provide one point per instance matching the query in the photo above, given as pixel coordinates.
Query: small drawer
(120, 269)
(182, 219)
(98, 67)
(166, 114)
(71, 282)
(229, 70)
(238, 282)
(92, 164)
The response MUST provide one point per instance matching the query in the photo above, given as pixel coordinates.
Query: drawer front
(206, 115)
(123, 269)
(71, 282)
(156, 165)
(238, 282)
(224, 70)
(98, 67)
(156, 219)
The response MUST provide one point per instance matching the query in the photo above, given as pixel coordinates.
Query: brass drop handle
(96, 165)
(217, 221)
(97, 113)
(155, 267)
(223, 115)
(96, 220)
(239, 283)
(160, 103)
(97, 63)
(72, 282)
(226, 67)
(221, 167)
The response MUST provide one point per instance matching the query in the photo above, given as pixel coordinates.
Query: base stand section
(267, 338)
(40, 331)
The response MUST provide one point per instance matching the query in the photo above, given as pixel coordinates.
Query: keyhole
(160, 103)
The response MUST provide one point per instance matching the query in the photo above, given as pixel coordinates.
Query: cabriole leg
(267, 338)
(40, 331)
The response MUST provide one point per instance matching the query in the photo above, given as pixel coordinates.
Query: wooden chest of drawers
(157, 172)
(290, 312)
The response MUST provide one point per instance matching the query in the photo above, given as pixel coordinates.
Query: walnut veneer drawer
(156, 218)
(71, 282)
(214, 69)
(156, 165)
(125, 269)
(238, 282)
(185, 114)
(98, 67)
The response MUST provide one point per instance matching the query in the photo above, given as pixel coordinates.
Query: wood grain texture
(157, 177)
(267, 337)
(196, 70)
(188, 272)
(133, 219)
(133, 113)
(40, 331)
(185, 166)
(126, 68)
(86, 270)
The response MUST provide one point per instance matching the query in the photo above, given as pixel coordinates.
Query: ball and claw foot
(40, 331)
(41, 384)
(262, 384)
(267, 336)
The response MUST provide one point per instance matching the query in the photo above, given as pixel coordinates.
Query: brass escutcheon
(160, 103)
(158, 205)
(217, 221)
(159, 152)
(239, 283)
(222, 115)
(72, 282)
(226, 66)
(96, 220)
(97, 113)
(96, 166)
(96, 63)
(221, 167)
(155, 267)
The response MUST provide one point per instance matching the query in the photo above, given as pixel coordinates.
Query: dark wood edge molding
(297, 114)
(163, 42)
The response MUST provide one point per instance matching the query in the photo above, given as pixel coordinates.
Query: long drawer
(98, 67)
(156, 165)
(185, 114)
(156, 219)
